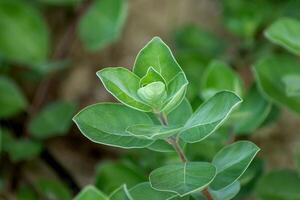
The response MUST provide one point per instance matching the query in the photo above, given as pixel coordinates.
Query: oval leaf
(106, 123)
(231, 162)
(183, 178)
(209, 116)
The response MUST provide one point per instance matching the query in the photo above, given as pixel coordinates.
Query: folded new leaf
(183, 178)
(155, 71)
(209, 116)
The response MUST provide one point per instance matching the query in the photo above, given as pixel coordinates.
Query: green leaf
(219, 76)
(123, 85)
(24, 35)
(269, 73)
(12, 101)
(102, 23)
(292, 85)
(146, 192)
(54, 119)
(60, 2)
(153, 132)
(53, 189)
(298, 161)
(279, 185)
(111, 174)
(121, 193)
(151, 76)
(231, 162)
(183, 178)
(252, 112)
(106, 123)
(26, 193)
(226, 193)
(285, 32)
(209, 116)
(90, 193)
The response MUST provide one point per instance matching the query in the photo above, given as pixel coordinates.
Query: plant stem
(173, 141)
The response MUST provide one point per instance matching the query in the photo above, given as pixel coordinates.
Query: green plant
(154, 114)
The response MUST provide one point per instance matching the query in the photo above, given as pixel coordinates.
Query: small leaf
(184, 178)
(252, 112)
(121, 193)
(111, 174)
(53, 189)
(89, 193)
(102, 23)
(269, 73)
(219, 76)
(209, 116)
(151, 76)
(279, 185)
(146, 192)
(54, 119)
(26, 193)
(106, 123)
(231, 162)
(153, 132)
(12, 101)
(285, 32)
(226, 193)
(123, 85)
(24, 34)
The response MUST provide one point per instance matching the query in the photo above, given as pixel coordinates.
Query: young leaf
(226, 193)
(24, 34)
(25, 192)
(89, 193)
(17, 150)
(153, 132)
(209, 116)
(146, 192)
(219, 76)
(53, 189)
(285, 32)
(121, 193)
(54, 119)
(123, 85)
(279, 185)
(151, 76)
(183, 178)
(12, 100)
(292, 85)
(106, 123)
(102, 23)
(231, 162)
(252, 112)
(269, 73)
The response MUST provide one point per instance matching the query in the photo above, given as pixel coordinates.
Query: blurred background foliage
(51, 49)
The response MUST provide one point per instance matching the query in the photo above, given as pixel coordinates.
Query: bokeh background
(50, 51)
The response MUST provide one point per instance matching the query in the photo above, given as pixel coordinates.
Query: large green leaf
(183, 178)
(89, 193)
(111, 174)
(24, 36)
(106, 123)
(270, 72)
(123, 85)
(252, 112)
(102, 23)
(219, 76)
(279, 185)
(285, 32)
(226, 193)
(12, 100)
(54, 119)
(209, 116)
(231, 162)
(53, 189)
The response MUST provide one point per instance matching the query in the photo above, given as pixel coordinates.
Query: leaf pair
(154, 66)
(121, 126)
(226, 168)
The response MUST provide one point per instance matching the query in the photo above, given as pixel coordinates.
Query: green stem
(173, 141)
